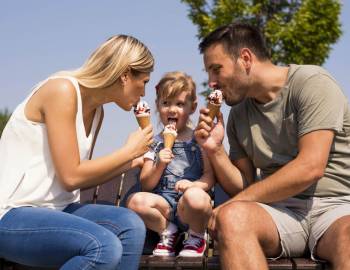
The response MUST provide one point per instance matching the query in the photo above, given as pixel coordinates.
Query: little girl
(178, 178)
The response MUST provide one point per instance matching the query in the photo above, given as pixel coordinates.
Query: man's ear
(246, 57)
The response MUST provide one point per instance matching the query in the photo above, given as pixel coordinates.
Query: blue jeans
(83, 236)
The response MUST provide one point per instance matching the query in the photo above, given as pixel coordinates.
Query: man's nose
(213, 84)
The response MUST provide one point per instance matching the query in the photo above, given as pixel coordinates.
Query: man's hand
(212, 223)
(182, 185)
(208, 134)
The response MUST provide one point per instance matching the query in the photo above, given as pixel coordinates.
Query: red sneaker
(194, 246)
(166, 245)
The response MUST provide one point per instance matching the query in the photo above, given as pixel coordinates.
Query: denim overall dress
(186, 164)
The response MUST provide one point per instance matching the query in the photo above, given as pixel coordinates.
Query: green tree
(4, 117)
(297, 31)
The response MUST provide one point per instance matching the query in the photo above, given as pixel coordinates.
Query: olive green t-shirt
(268, 133)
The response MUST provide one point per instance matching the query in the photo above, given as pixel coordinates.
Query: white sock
(172, 228)
(201, 235)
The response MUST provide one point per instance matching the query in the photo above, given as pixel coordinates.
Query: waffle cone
(213, 110)
(143, 121)
(169, 139)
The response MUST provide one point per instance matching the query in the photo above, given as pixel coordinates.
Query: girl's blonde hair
(110, 60)
(174, 83)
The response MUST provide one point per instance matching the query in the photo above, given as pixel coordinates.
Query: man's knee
(233, 213)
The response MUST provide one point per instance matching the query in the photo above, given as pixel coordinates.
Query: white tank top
(27, 174)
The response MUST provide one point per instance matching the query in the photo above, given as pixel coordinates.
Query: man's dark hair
(236, 36)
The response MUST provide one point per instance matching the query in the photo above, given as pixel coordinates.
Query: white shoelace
(167, 239)
(193, 241)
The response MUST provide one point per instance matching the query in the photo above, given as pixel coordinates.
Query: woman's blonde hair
(174, 83)
(110, 60)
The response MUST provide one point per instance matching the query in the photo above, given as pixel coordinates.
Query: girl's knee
(197, 199)
(136, 202)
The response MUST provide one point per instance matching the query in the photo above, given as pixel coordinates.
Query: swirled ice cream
(169, 135)
(143, 113)
(214, 102)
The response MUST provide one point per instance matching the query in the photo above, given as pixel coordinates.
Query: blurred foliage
(4, 117)
(296, 31)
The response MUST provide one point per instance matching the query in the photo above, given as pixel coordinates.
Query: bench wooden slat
(213, 263)
(281, 264)
(158, 262)
(191, 263)
(307, 264)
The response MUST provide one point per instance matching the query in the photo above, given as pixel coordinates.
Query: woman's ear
(125, 76)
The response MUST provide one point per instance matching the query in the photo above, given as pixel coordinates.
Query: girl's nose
(172, 108)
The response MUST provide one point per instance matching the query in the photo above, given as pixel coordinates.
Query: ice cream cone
(214, 102)
(169, 139)
(213, 110)
(143, 121)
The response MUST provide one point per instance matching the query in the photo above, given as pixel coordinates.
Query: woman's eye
(165, 103)
(180, 104)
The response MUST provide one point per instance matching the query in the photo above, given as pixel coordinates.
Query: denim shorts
(302, 222)
(173, 199)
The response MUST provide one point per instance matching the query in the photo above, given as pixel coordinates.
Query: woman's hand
(165, 155)
(183, 184)
(139, 141)
(208, 134)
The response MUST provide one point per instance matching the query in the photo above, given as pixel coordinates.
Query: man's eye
(216, 70)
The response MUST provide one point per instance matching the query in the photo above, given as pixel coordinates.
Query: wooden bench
(117, 191)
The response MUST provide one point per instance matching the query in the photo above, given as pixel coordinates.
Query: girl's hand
(165, 155)
(139, 141)
(182, 185)
(208, 134)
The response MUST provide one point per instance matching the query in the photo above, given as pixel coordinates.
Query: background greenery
(4, 117)
(297, 31)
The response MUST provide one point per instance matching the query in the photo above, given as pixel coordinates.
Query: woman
(45, 152)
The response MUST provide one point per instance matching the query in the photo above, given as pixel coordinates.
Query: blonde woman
(44, 161)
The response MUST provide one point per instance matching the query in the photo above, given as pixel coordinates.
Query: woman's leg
(122, 222)
(152, 208)
(50, 238)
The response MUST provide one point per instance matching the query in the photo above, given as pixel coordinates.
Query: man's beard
(236, 96)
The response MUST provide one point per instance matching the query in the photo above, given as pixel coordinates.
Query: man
(292, 123)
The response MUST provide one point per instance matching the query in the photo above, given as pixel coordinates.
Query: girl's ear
(194, 106)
